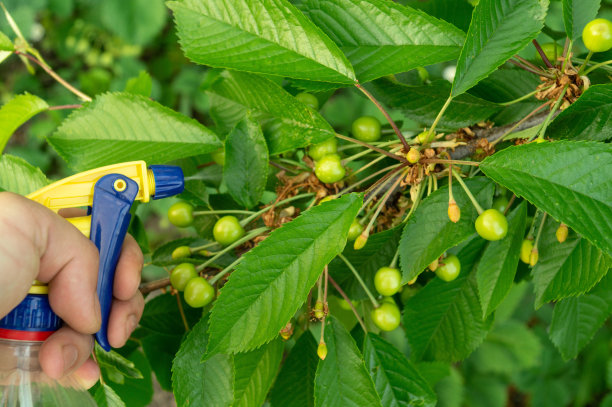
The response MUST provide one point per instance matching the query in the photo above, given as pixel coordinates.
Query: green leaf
(140, 85)
(263, 36)
(455, 12)
(254, 373)
(288, 124)
(499, 29)
(588, 118)
(429, 232)
(576, 14)
(106, 397)
(443, 321)
(136, 392)
(295, 383)
(509, 348)
(566, 269)
(573, 188)
(201, 384)
(162, 315)
(5, 43)
(116, 362)
(16, 112)
(422, 103)
(377, 253)
(342, 379)
(118, 127)
(380, 37)
(397, 381)
(160, 350)
(135, 21)
(273, 280)
(576, 320)
(497, 267)
(246, 163)
(19, 176)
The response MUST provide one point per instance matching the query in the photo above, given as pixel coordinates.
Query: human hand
(36, 243)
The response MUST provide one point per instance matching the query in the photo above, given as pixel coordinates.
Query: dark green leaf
(138, 232)
(397, 381)
(16, 112)
(295, 383)
(117, 362)
(135, 21)
(377, 253)
(574, 187)
(443, 321)
(201, 384)
(106, 397)
(162, 315)
(422, 103)
(575, 320)
(263, 36)
(342, 379)
(18, 176)
(136, 392)
(254, 373)
(118, 127)
(380, 37)
(566, 269)
(457, 12)
(588, 118)
(160, 350)
(162, 256)
(140, 85)
(289, 124)
(499, 29)
(246, 163)
(274, 278)
(429, 232)
(576, 14)
(497, 267)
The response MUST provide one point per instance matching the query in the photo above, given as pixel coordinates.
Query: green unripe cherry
(182, 274)
(227, 230)
(597, 35)
(320, 150)
(329, 169)
(181, 252)
(308, 99)
(449, 268)
(199, 292)
(219, 157)
(388, 281)
(181, 214)
(387, 316)
(492, 225)
(355, 230)
(366, 128)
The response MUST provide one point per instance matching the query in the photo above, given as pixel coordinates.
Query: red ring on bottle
(35, 336)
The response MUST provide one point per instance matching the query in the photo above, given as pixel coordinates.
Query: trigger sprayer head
(168, 180)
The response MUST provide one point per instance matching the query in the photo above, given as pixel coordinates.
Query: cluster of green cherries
(198, 292)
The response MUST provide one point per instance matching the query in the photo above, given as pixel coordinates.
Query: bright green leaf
(201, 384)
(246, 163)
(576, 320)
(118, 127)
(342, 379)
(254, 373)
(443, 321)
(106, 397)
(588, 118)
(135, 21)
(566, 269)
(574, 187)
(576, 14)
(16, 112)
(5, 43)
(162, 315)
(295, 383)
(261, 36)
(397, 381)
(422, 103)
(140, 85)
(288, 124)
(499, 29)
(273, 280)
(381, 37)
(497, 267)
(456, 12)
(117, 362)
(429, 232)
(20, 177)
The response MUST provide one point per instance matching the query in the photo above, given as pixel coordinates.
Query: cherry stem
(542, 54)
(64, 107)
(254, 215)
(432, 129)
(443, 161)
(567, 53)
(527, 96)
(528, 69)
(517, 124)
(55, 76)
(366, 179)
(375, 188)
(510, 202)
(382, 202)
(394, 260)
(182, 312)
(371, 147)
(451, 198)
(205, 246)
(223, 272)
(586, 61)
(360, 280)
(469, 193)
(544, 125)
(348, 300)
(416, 203)
(223, 212)
(397, 131)
(596, 66)
(237, 243)
(537, 239)
(364, 152)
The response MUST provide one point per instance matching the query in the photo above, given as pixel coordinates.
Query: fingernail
(131, 324)
(70, 354)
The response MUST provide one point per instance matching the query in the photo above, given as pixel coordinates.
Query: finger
(45, 246)
(124, 319)
(87, 374)
(64, 351)
(129, 269)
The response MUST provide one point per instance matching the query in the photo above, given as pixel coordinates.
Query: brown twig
(528, 69)
(542, 54)
(146, 288)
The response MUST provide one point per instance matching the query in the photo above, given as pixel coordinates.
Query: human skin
(38, 244)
